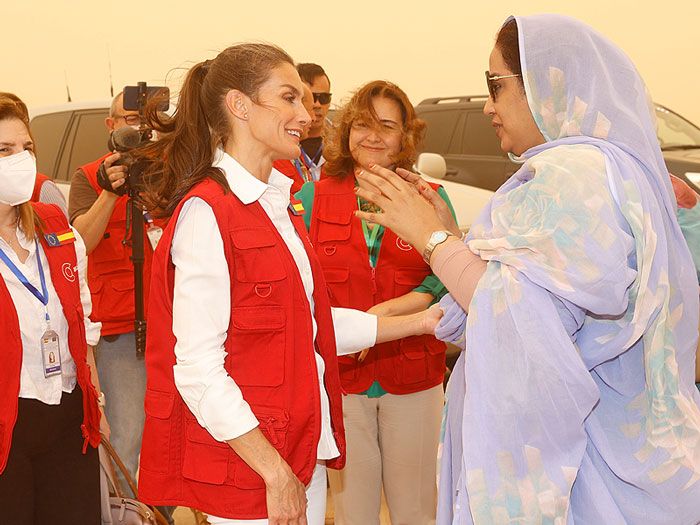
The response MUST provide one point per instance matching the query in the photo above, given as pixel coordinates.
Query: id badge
(51, 353)
(154, 234)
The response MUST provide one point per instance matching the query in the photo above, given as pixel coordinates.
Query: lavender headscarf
(574, 400)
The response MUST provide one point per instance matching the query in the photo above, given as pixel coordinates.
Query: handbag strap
(112, 458)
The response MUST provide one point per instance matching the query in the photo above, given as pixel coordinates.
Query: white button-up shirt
(202, 308)
(32, 321)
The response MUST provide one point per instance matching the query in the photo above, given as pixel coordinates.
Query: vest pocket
(113, 298)
(155, 449)
(257, 256)
(330, 230)
(273, 424)
(205, 459)
(257, 351)
(338, 285)
(406, 280)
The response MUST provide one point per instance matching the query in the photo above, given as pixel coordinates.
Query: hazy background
(429, 48)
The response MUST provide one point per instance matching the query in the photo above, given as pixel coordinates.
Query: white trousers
(315, 507)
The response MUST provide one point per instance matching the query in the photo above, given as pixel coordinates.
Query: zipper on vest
(374, 280)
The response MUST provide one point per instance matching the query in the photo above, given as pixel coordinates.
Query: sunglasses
(322, 98)
(491, 83)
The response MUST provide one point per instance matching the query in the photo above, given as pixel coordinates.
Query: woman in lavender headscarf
(574, 400)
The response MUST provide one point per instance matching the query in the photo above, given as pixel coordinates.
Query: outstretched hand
(405, 209)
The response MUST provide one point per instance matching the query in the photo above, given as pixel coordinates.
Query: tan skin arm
(286, 495)
(104, 425)
(91, 225)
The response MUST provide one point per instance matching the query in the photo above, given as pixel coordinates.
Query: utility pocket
(258, 341)
(337, 280)
(205, 459)
(257, 259)
(274, 424)
(112, 295)
(406, 280)
(155, 449)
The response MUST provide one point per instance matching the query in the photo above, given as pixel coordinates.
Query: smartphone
(132, 95)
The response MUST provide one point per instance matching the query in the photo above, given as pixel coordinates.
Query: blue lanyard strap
(43, 296)
(312, 162)
(302, 170)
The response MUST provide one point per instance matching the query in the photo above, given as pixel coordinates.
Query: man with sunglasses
(315, 77)
(103, 219)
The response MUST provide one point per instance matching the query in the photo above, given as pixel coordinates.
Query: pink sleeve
(459, 270)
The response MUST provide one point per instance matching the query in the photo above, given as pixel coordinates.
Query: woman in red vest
(394, 404)
(50, 410)
(243, 409)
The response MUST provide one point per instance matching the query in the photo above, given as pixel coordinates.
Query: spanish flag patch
(296, 208)
(60, 238)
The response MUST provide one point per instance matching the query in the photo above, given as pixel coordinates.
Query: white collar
(244, 184)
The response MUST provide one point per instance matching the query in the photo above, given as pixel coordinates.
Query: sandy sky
(429, 48)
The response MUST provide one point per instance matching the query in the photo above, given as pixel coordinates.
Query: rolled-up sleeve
(92, 330)
(201, 315)
(354, 330)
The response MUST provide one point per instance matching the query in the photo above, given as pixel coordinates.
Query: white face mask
(17, 176)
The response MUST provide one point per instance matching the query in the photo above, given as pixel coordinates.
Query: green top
(373, 237)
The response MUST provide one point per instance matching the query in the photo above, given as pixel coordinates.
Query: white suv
(68, 136)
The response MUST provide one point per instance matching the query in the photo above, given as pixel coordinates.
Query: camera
(126, 139)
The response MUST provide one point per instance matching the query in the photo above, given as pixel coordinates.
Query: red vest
(110, 270)
(409, 365)
(68, 292)
(287, 168)
(38, 183)
(270, 355)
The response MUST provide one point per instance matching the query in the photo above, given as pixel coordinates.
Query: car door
(476, 154)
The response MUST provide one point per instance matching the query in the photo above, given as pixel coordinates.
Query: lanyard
(371, 239)
(43, 296)
(308, 160)
(302, 170)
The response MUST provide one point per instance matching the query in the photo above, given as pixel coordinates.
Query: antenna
(65, 76)
(109, 65)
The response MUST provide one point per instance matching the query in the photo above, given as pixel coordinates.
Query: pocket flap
(122, 284)
(159, 404)
(335, 217)
(248, 238)
(336, 275)
(258, 317)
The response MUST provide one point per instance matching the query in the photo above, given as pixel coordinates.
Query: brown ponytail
(184, 154)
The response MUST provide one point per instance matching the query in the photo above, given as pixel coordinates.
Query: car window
(674, 131)
(480, 137)
(49, 131)
(441, 128)
(86, 142)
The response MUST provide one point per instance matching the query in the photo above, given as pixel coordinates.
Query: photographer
(104, 219)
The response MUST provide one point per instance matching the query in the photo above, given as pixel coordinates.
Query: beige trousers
(392, 442)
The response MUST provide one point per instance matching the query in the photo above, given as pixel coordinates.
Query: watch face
(439, 237)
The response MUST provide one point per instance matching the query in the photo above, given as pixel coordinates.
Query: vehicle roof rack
(457, 99)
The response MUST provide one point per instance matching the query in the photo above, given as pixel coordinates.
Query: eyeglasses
(322, 98)
(131, 120)
(491, 82)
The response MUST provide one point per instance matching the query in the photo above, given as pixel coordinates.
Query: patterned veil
(574, 400)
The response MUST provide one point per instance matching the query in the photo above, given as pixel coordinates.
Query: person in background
(297, 169)
(394, 400)
(243, 409)
(51, 408)
(45, 190)
(574, 400)
(103, 219)
(315, 77)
